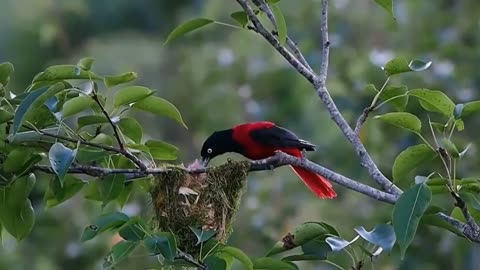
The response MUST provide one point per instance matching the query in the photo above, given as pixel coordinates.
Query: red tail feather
(317, 183)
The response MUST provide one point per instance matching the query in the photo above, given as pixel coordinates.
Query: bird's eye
(209, 150)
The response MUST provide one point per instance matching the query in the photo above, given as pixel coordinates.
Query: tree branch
(124, 151)
(319, 84)
(280, 159)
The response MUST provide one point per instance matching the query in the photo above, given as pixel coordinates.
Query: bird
(260, 140)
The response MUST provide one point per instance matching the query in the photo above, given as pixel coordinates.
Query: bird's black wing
(280, 137)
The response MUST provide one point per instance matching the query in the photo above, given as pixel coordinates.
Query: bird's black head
(220, 142)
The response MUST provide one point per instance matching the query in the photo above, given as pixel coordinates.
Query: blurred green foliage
(219, 77)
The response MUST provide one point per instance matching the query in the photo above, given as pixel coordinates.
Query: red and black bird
(259, 140)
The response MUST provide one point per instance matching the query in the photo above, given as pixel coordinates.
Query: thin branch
(319, 84)
(124, 151)
(280, 159)
(310, 75)
(263, 6)
(363, 117)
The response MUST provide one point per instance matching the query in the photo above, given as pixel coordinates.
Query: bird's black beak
(205, 161)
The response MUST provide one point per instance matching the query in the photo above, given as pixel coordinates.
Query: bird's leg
(304, 155)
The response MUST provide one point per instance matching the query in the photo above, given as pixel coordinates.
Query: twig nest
(206, 201)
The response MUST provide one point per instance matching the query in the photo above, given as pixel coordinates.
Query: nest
(206, 201)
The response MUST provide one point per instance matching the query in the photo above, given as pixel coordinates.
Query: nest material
(206, 201)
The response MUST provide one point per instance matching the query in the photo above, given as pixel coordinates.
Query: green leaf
(470, 108)
(111, 186)
(215, 262)
(407, 213)
(86, 63)
(125, 195)
(131, 94)
(134, 230)
(239, 255)
(387, 5)
(281, 24)
(76, 105)
(5, 116)
(89, 154)
(18, 219)
(396, 94)
(271, 263)
(162, 243)
(241, 17)
(409, 159)
(6, 69)
(436, 221)
(102, 138)
(111, 81)
(404, 120)
(119, 252)
(450, 147)
(434, 101)
(471, 200)
(382, 235)
(302, 234)
(56, 194)
(400, 65)
(64, 72)
(16, 159)
(186, 27)
(61, 158)
(34, 100)
(161, 150)
(202, 236)
(317, 248)
(21, 188)
(104, 223)
(16, 212)
(159, 106)
(302, 257)
(90, 120)
(131, 128)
